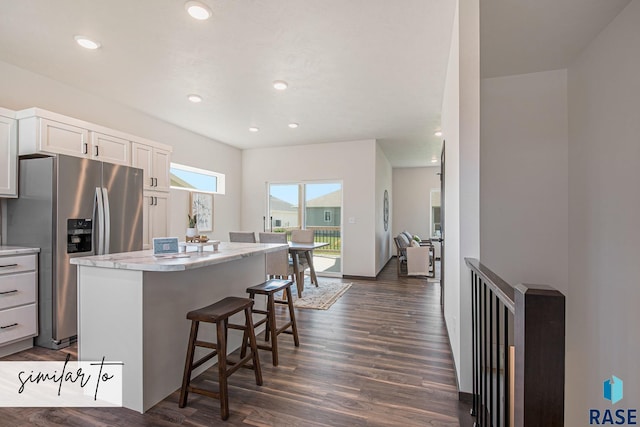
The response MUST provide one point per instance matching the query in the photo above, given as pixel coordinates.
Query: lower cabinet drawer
(17, 289)
(17, 264)
(16, 323)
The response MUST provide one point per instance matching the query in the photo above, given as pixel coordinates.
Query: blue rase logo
(612, 389)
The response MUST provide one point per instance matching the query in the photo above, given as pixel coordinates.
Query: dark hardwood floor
(378, 357)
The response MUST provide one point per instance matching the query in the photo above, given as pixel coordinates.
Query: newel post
(539, 335)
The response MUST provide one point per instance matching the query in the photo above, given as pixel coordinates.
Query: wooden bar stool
(219, 314)
(269, 288)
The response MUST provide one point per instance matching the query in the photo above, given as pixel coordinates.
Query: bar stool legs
(219, 314)
(270, 288)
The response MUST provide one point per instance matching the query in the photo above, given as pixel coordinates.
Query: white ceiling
(357, 69)
(526, 36)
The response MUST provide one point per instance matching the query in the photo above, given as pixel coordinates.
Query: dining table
(296, 249)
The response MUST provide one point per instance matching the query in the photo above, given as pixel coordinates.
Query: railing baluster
(498, 395)
(474, 279)
(480, 350)
(507, 360)
(484, 364)
(479, 347)
(490, 396)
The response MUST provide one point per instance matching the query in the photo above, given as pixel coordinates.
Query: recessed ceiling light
(86, 42)
(434, 160)
(194, 98)
(253, 129)
(280, 85)
(438, 133)
(293, 125)
(198, 10)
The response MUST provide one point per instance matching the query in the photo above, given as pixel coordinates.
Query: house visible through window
(194, 179)
(313, 206)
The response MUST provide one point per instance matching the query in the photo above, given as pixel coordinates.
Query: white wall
(604, 212)
(451, 205)
(461, 131)
(384, 181)
(411, 199)
(524, 178)
(20, 89)
(353, 163)
(469, 19)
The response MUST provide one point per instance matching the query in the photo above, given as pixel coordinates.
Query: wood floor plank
(380, 356)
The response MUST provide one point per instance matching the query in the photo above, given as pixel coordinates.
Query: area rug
(322, 297)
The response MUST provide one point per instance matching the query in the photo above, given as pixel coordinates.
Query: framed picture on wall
(202, 206)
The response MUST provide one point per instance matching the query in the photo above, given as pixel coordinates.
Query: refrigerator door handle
(100, 248)
(107, 221)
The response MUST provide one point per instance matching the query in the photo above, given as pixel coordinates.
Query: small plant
(417, 239)
(193, 220)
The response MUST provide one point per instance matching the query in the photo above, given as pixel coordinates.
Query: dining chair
(278, 264)
(303, 236)
(242, 236)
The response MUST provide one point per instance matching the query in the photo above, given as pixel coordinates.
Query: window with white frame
(195, 179)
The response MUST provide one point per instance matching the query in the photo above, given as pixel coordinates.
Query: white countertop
(17, 250)
(145, 261)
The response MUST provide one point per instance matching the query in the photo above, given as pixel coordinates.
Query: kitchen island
(132, 308)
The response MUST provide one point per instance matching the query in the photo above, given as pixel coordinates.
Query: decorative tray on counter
(199, 245)
(197, 239)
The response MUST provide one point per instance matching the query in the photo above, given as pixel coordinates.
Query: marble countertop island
(132, 308)
(146, 261)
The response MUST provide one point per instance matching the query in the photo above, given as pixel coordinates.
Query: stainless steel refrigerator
(71, 207)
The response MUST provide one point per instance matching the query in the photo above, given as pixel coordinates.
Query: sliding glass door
(314, 206)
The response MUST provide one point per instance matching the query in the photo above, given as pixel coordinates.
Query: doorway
(313, 206)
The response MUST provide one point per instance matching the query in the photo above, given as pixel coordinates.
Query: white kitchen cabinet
(18, 300)
(40, 135)
(155, 217)
(110, 149)
(155, 162)
(8, 154)
(45, 132)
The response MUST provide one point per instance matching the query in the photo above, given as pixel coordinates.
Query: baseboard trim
(465, 397)
(355, 277)
(453, 359)
(348, 276)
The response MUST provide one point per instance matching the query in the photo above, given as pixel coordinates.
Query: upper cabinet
(155, 162)
(46, 132)
(110, 149)
(8, 154)
(43, 135)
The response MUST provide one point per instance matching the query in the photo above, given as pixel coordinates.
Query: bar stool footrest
(204, 359)
(202, 391)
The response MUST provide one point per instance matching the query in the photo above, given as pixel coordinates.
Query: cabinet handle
(9, 292)
(8, 326)
(97, 151)
(155, 201)
(85, 148)
(155, 182)
(151, 185)
(8, 265)
(151, 201)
